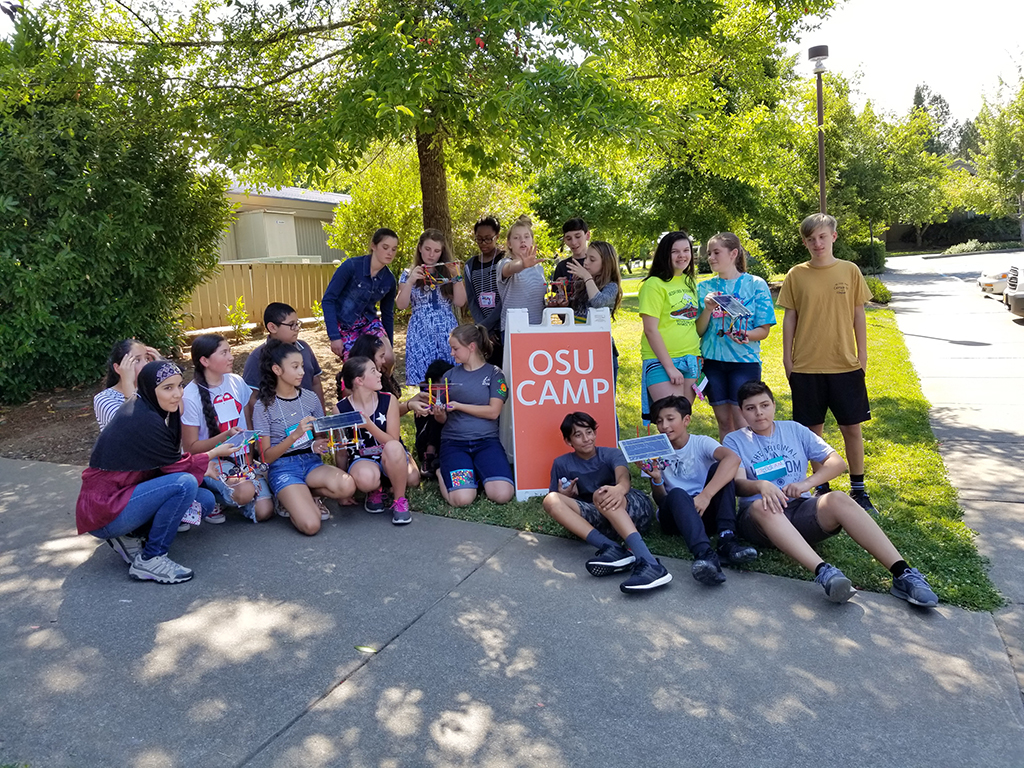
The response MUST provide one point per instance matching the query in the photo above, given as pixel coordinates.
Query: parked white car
(994, 282)
(1013, 296)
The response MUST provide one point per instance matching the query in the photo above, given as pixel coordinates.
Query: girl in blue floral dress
(433, 318)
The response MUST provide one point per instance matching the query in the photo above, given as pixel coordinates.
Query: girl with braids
(139, 478)
(471, 453)
(283, 415)
(432, 316)
(214, 411)
(126, 359)
(381, 451)
(731, 346)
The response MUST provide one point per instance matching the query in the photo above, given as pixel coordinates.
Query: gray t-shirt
(782, 457)
(276, 421)
(472, 388)
(310, 366)
(590, 474)
(688, 466)
(524, 290)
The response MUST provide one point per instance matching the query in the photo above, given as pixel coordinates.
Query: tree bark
(434, 182)
(1020, 216)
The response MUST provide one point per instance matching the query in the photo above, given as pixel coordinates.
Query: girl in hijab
(138, 477)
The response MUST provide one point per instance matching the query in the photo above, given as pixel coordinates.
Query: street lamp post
(818, 54)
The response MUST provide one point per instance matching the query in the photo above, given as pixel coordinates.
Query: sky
(959, 49)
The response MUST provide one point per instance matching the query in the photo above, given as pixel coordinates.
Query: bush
(870, 257)
(105, 227)
(757, 266)
(973, 246)
(879, 293)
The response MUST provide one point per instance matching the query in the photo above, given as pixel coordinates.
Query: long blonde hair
(609, 274)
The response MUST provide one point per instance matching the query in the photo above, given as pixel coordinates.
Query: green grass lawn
(905, 474)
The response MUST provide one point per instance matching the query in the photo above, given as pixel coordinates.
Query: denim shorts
(473, 463)
(293, 470)
(725, 379)
(653, 372)
(376, 460)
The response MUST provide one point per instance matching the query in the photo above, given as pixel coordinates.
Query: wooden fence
(258, 284)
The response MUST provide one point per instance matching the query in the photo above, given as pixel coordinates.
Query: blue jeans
(162, 502)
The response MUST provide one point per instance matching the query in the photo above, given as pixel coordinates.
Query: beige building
(280, 224)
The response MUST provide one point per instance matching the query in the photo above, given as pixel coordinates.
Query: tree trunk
(918, 232)
(1020, 216)
(871, 232)
(434, 182)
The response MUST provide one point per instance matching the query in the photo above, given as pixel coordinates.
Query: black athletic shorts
(845, 394)
(802, 513)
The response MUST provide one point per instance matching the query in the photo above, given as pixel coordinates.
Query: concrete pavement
(969, 354)
(495, 648)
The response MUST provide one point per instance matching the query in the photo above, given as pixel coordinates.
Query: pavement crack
(513, 534)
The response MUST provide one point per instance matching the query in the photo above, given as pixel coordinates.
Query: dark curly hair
(273, 354)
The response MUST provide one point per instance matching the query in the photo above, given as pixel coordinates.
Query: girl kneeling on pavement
(380, 451)
(284, 416)
(468, 404)
(138, 477)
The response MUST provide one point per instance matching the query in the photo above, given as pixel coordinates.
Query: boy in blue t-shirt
(777, 509)
(592, 498)
(695, 492)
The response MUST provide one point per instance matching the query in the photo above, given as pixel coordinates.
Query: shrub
(973, 246)
(757, 266)
(879, 293)
(318, 315)
(238, 317)
(870, 257)
(105, 226)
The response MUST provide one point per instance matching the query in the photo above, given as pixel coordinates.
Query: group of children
(695, 338)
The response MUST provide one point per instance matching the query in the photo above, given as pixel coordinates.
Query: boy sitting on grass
(695, 492)
(776, 508)
(591, 497)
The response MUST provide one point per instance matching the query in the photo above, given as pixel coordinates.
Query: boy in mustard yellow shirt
(824, 345)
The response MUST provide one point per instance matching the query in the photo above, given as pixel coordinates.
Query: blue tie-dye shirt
(753, 292)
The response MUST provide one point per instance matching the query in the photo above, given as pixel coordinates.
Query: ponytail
(117, 354)
(474, 334)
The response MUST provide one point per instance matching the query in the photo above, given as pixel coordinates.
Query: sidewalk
(495, 649)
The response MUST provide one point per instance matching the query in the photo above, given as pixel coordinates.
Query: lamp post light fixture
(818, 54)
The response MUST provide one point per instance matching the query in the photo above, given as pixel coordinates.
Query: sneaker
(732, 552)
(182, 527)
(160, 569)
(216, 518)
(862, 498)
(610, 560)
(128, 547)
(325, 513)
(646, 576)
(279, 508)
(707, 570)
(821, 490)
(374, 503)
(913, 588)
(400, 514)
(837, 587)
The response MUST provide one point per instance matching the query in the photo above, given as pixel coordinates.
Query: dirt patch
(60, 426)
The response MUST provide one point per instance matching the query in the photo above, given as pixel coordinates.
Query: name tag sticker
(302, 442)
(486, 300)
(771, 469)
(227, 411)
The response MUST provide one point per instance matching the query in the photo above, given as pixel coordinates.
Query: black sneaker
(646, 576)
(732, 552)
(862, 498)
(821, 490)
(707, 570)
(610, 560)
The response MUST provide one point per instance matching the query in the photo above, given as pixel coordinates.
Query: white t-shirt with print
(229, 401)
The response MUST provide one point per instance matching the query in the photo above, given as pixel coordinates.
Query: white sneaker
(128, 547)
(182, 527)
(160, 569)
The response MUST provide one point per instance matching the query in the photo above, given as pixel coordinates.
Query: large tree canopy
(299, 88)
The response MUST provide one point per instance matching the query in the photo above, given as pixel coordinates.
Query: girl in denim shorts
(284, 416)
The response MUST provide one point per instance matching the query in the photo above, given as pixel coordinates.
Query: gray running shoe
(610, 560)
(127, 547)
(400, 514)
(182, 527)
(375, 503)
(913, 588)
(837, 587)
(160, 569)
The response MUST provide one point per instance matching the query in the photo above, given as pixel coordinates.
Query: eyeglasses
(485, 240)
(294, 326)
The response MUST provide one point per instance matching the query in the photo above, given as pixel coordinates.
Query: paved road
(969, 353)
(494, 648)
